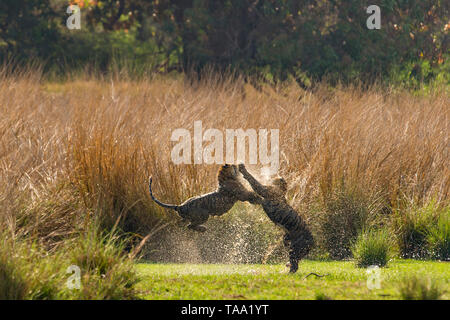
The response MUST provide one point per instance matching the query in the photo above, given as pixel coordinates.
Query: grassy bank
(343, 280)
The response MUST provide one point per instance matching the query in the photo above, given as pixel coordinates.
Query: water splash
(242, 236)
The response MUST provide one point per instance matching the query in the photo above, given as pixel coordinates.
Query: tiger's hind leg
(183, 222)
(293, 261)
(299, 248)
(293, 266)
(197, 227)
(200, 217)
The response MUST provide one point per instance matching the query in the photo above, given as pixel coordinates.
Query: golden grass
(92, 143)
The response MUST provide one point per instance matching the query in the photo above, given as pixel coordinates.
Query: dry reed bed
(83, 148)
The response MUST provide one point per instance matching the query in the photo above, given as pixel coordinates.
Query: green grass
(344, 280)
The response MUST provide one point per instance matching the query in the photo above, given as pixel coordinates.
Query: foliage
(438, 237)
(373, 247)
(422, 231)
(27, 271)
(345, 214)
(272, 39)
(107, 271)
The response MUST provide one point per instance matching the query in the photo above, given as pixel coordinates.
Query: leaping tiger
(197, 210)
(298, 237)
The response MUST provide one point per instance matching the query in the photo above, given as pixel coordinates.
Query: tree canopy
(274, 39)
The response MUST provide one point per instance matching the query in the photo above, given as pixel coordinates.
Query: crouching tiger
(197, 210)
(298, 237)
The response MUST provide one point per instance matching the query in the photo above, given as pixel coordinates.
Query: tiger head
(280, 184)
(228, 172)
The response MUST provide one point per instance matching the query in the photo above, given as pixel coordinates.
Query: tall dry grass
(81, 149)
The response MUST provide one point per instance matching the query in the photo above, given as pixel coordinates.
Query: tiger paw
(293, 267)
(242, 168)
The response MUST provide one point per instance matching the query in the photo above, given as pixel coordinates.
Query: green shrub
(106, 271)
(373, 247)
(344, 214)
(417, 228)
(13, 284)
(415, 288)
(438, 237)
(26, 272)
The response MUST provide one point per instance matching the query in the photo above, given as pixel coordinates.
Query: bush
(344, 215)
(107, 273)
(28, 272)
(415, 288)
(438, 237)
(420, 231)
(372, 247)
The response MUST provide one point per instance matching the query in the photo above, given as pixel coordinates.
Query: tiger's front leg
(260, 189)
(251, 197)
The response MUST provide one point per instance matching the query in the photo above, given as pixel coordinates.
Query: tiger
(298, 237)
(197, 210)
